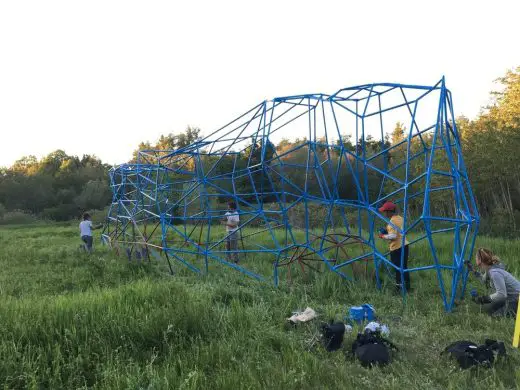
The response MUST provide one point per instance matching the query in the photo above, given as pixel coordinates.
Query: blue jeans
(88, 240)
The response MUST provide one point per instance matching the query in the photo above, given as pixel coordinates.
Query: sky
(99, 77)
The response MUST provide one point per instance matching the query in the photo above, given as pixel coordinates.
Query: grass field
(72, 321)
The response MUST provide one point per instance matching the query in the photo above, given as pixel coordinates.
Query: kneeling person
(504, 300)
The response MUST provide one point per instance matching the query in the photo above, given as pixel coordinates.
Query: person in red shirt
(395, 242)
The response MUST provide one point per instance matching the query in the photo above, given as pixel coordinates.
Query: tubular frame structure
(308, 198)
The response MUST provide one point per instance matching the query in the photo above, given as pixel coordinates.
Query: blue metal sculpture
(308, 202)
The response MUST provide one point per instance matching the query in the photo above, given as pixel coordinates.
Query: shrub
(500, 224)
(63, 212)
(17, 217)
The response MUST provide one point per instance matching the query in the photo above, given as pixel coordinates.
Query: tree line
(491, 145)
(57, 187)
(61, 187)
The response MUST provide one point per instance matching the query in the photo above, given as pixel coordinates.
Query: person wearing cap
(395, 242)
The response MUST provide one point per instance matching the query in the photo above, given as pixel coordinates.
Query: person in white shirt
(232, 220)
(85, 232)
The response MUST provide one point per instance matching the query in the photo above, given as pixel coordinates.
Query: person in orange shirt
(395, 242)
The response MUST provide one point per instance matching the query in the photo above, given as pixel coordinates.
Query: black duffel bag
(332, 335)
(468, 354)
(371, 348)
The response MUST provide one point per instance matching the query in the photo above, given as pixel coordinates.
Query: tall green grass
(69, 321)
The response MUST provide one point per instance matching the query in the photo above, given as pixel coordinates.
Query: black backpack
(333, 335)
(370, 348)
(469, 354)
